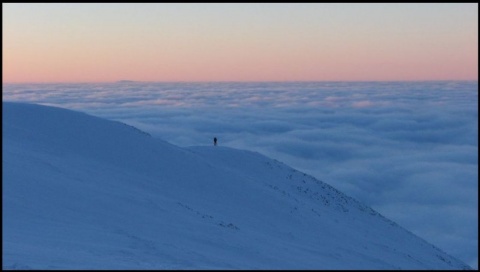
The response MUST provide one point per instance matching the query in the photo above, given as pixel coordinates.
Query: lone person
(215, 141)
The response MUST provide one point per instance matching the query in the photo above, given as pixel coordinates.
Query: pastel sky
(87, 42)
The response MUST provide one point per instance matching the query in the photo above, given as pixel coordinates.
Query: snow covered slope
(80, 192)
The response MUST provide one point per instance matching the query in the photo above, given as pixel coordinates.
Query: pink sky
(239, 42)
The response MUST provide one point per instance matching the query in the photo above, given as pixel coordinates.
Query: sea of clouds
(408, 149)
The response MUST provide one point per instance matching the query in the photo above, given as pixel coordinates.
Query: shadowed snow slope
(81, 192)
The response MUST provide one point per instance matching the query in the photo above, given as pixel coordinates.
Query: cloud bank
(408, 149)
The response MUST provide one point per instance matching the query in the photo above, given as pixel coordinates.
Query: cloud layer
(408, 149)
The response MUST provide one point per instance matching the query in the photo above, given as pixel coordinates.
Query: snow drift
(81, 192)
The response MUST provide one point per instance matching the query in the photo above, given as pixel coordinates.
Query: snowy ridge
(81, 192)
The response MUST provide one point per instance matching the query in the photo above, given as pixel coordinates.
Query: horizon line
(230, 81)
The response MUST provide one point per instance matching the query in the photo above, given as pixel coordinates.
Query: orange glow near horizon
(81, 43)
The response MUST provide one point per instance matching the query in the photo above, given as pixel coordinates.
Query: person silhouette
(215, 141)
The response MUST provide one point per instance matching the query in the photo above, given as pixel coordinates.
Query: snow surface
(81, 192)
